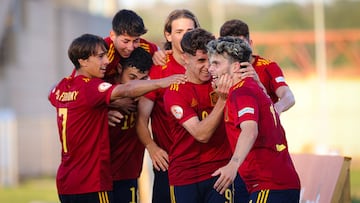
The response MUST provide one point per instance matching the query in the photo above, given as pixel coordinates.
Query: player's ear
(168, 36)
(112, 35)
(235, 67)
(119, 69)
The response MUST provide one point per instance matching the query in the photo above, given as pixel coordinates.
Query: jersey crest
(213, 98)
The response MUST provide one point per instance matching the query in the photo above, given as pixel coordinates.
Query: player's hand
(226, 175)
(223, 85)
(114, 117)
(159, 57)
(173, 79)
(126, 105)
(249, 71)
(159, 157)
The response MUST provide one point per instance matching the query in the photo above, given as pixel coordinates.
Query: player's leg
(185, 194)
(161, 188)
(210, 195)
(241, 195)
(125, 191)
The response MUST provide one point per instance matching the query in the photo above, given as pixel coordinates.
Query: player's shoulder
(148, 46)
(245, 85)
(264, 62)
(179, 88)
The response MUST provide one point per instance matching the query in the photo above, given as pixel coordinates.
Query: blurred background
(315, 42)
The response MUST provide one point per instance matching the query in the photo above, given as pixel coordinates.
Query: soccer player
(127, 152)
(260, 151)
(268, 72)
(81, 101)
(195, 111)
(151, 105)
(125, 36)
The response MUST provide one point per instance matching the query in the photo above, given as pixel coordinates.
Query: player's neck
(178, 58)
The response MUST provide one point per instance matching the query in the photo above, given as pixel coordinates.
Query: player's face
(132, 73)
(197, 67)
(178, 28)
(95, 65)
(219, 65)
(125, 44)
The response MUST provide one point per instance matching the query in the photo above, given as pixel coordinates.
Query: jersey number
(63, 113)
(272, 110)
(133, 193)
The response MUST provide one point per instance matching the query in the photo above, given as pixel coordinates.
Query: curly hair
(196, 40)
(237, 49)
(139, 58)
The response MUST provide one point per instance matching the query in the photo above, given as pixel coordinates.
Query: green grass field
(44, 191)
(31, 191)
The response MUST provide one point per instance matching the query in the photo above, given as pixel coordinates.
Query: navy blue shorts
(93, 197)
(241, 195)
(161, 188)
(276, 196)
(201, 192)
(125, 191)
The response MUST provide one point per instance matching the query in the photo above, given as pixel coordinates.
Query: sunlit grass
(30, 191)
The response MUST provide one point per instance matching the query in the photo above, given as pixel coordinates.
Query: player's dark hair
(128, 22)
(235, 28)
(196, 40)
(85, 46)
(235, 48)
(139, 58)
(174, 15)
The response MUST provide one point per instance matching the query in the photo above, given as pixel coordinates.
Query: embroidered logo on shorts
(245, 110)
(104, 86)
(177, 111)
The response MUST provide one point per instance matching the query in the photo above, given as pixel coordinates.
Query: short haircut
(128, 22)
(196, 39)
(236, 49)
(85, 46)
(139, 58)
(235, 28)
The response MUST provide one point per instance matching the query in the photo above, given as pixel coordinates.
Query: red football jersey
(192, 161)
(268, 164)
(114, 56)
(159, 117)
(81, 105)
(127, 152)
(270, 75)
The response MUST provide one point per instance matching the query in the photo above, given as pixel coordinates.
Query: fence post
(8, 149)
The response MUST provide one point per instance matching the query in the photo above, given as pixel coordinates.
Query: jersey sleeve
(244, 105)
(277, 78)
(148, 46)
(98, 91)
(154, 73)
(177, 102)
